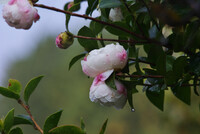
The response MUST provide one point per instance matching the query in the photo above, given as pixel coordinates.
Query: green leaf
(14, 85)
(67, 129)
(8, 121)
(30, 87)
(183, 93)
(9, 93)
(156, 98)
(75, 7)
(52, 121)
(82, 125)
(22, 119)
(75, 59)
(87, 44)
(111, 81)
(103, 128)
(169, 62)
(16, 131)
(179, 65)
(92, 5)
(109, 3)
(119, 32)
(161, 64)
(96, 27)
(1, 125)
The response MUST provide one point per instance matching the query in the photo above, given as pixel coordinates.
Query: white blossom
(103, 59)
(105, 95)
(20, 14)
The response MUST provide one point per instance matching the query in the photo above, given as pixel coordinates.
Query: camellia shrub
(168, 31)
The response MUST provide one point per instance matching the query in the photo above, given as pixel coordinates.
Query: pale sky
(16, 44)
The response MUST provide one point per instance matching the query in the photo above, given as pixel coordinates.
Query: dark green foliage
(67, 129)
(30, 87)
(75, 59)
(87, 44)
(9, 93)
(22, 119)
(16, 131)
(8, 121)
(52, 122)
(103, 127)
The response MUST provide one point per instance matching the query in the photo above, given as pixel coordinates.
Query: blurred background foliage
(69, 90)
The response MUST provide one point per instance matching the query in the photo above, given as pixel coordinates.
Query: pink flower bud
(64, 40)
(70, 5)
(103, 59)
(106, 96)
(20, 14)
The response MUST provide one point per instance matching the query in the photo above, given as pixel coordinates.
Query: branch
(90, 18)
(29, 113)
(115, 40)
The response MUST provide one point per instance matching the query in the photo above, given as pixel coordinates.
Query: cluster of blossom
(20, 14)
(100, 64)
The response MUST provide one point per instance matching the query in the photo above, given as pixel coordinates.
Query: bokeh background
(26, 54)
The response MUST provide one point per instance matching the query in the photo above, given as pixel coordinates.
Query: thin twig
(29, 113)
(90, 18)
(115, 40)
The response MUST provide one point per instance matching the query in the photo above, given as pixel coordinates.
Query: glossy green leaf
(75, 7)
(87, 44)
(22, 119)
(161, 64)
(92, 5)
(8, 121)
(103, 128)
(179, 65)
(109, 3)
(52, 121)
(96, 27)
(1, 125)
(67, 129)
(111, 81)
(75, 59)
(30, 87)
(9, 93)
(16, 131)
(156, 98)
(118, 32)
(183, 93)
(14, 85)
(169, 62)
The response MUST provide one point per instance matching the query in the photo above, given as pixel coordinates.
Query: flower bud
(103, 59)
(20, 14)
(70, 5)
(105, 95)
(64, 40)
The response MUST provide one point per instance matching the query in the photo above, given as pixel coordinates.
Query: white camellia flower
(103, 59)
(20, 14)
(116, 14)
(106, 96)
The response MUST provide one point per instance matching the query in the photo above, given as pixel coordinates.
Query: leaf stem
(90, 18)
(26, 107)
